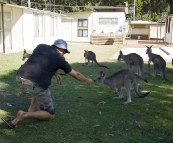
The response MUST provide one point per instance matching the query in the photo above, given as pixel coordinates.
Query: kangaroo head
(120, 55)
(24, 55)
(149, 49)
(85, 52)
(100, 78)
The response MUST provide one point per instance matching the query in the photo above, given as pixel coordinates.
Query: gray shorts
(43, 97)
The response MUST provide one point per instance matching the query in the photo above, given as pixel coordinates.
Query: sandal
(9, 123)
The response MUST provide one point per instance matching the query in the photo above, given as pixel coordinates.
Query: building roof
(109, 9)
(143, 22)
(34, 9)
(93, 8)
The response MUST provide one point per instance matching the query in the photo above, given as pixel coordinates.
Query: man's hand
(89, 81)
(80, 77)
(58, 77)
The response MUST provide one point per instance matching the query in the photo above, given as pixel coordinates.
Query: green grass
(77, 120)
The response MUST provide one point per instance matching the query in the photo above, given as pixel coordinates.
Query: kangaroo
(158, 61)
(25, 55)
(133, 60)
(123, 77)
(91, 56)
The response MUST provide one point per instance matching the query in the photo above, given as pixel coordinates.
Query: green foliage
(154, 16)
(139, 7)
(146, 17)
(76, 9)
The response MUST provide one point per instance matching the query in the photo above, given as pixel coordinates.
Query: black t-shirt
(42, 65)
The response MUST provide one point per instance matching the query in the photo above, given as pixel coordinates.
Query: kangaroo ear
(103, 75)
(121, 52)
(101, 72)
(148, 47)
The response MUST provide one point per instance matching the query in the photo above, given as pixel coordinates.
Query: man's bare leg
(34, 106)
(40, 115)
(33, 112)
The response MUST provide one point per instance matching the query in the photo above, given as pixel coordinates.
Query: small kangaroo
(123, 77)
(133, 60)
(25, 55)
(158, 61)
(91, 56)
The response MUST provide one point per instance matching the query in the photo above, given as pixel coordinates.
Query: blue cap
(61, 44)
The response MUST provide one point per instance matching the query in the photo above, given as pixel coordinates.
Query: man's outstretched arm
(80, 77)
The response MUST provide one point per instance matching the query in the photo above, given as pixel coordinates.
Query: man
(35, 77)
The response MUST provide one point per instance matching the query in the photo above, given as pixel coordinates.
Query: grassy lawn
(77, 120)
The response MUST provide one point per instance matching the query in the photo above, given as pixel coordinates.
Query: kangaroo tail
(138, 92)
(164, 51)
(103, 66)
(100, 65)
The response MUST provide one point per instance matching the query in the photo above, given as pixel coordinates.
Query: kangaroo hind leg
(154, 71)
(162, 74)
(120, 93)
(88, 62)
(127, 86)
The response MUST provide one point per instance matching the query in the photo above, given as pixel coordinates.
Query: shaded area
(77, 110)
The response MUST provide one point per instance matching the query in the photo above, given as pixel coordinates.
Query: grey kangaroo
(133, 60)
(91, 56)
(158, 61)
(25, 55)
(123, 77)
